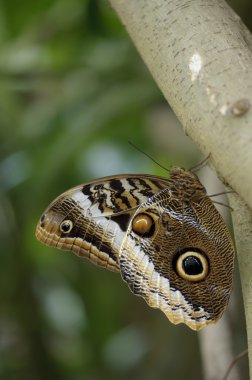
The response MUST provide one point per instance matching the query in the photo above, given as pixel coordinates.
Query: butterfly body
(163, 235)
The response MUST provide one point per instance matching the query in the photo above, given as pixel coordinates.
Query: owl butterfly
(164, 236)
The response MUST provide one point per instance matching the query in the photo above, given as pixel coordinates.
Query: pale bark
(242, 222)
(216, 341)
(199, 53)
(216, 351)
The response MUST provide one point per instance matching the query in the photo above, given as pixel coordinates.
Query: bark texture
(242, 222)
(216, 342)
(200, 54)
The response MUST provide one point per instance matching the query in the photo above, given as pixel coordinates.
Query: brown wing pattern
(99, 212)
(164, 236)
(148, 264)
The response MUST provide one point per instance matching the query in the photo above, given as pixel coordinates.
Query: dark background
(73, 91)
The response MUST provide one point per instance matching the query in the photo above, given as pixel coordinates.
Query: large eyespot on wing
(91, 219)
(191, 265)
(184, 266)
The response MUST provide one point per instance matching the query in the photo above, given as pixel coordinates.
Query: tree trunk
(199, 53)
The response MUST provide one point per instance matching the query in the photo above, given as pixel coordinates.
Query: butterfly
(164, 236)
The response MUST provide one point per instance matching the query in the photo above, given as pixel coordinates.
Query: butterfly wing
(165, 236)
(187, 237)
(91, 219)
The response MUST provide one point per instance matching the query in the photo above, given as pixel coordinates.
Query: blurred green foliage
(73, 91)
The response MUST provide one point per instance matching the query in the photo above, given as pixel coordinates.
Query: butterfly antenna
(147, 155)
(222, 193)
(200, 165)
(223, 204)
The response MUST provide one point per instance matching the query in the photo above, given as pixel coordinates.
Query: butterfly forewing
(99, 213)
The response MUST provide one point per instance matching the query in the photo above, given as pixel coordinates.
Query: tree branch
(242, 221)
(199, 53)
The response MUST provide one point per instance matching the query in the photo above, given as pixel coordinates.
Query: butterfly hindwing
(180, 229)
